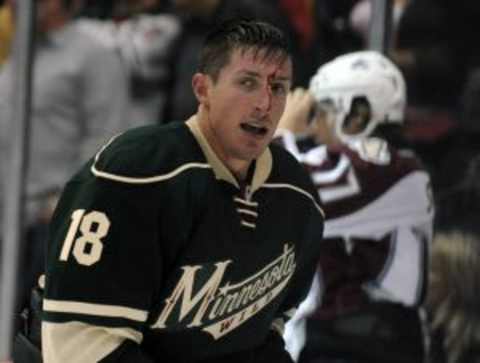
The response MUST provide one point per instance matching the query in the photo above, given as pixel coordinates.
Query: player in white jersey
(371, 274)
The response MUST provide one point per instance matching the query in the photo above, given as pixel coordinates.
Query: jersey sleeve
(103, 258)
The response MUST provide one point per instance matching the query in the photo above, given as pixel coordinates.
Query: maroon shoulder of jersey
(347, 182)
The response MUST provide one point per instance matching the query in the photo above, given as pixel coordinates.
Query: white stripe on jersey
(334, 193)
(147, 180)
(249, 212)
(99, 310)
(249, 225)
(246, 202)
(297, 189)
(330, 176)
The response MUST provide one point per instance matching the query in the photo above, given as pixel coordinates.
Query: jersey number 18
(88, 247)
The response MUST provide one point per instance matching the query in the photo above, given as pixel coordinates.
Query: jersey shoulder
(148, 152)
(372, 153)
(349, 179)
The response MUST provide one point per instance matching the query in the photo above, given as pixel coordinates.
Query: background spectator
(434, 48)
(453, 299)
(449, 158)
(320, 31)
(80, 100)
(145, 43)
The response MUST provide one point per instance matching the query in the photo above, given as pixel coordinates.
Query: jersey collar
(263, 166)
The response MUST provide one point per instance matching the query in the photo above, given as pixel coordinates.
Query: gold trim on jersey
(76, 342)
(263, 166)
(297, 189)
(144, 180)
(148, 180)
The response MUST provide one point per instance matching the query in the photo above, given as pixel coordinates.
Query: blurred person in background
(131, 8)
(145, 41)
(79, 100)
(346, 130)
(335, 16)
(455, 151)
(435, 49)
(320, 32)
(453, 301)
(458, 207)
(361, 15)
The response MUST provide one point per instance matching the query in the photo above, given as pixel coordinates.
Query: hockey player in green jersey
(194, 241)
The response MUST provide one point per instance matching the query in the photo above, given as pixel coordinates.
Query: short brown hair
(243, 34)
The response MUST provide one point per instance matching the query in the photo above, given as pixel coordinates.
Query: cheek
(232, 104)
(277, 109)
(222, 104)
(225, 112)
(280, 104)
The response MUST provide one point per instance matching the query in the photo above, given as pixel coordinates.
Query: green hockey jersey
(155, 241)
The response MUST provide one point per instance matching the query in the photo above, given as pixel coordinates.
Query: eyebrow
(257, 75)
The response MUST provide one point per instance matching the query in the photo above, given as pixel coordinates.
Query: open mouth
(253, 129)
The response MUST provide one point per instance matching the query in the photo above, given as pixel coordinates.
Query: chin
(250, 151)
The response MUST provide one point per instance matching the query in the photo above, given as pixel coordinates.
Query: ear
(201, 88)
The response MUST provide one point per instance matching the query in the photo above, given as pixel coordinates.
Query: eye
(279, 89)
(248, 83)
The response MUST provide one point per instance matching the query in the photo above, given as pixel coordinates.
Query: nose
(264, 99)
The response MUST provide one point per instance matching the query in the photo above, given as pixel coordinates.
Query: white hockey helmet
(363, 75)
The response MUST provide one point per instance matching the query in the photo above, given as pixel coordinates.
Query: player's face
(245, 104)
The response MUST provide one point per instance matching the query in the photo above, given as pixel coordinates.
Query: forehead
(248, 61)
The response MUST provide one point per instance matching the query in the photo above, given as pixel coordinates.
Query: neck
(239, 170)
(238, 167)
